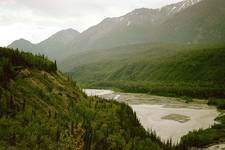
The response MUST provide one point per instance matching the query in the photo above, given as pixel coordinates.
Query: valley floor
(171, 118)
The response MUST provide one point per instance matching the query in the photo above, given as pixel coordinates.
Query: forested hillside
(174, 51)
(192, 70)
(43, 109)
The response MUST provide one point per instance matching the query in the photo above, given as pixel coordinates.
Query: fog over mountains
(189, 21)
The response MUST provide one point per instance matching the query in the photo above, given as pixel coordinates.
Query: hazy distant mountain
(189, 21)
(22, 44)
(54, 46)
(201, 23)
(138, 26)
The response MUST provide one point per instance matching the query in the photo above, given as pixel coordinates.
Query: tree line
(12, 60)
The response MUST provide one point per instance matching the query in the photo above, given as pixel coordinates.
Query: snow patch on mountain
(175, 8)
(128, 23)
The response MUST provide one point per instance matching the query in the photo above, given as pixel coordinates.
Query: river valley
(171, 118)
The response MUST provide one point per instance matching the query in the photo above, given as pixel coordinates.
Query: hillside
(193, 70)
(43, 109)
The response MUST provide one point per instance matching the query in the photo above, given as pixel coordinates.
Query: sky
(36, 20)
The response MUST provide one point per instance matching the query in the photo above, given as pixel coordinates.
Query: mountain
(189, 21)
(138, 26)
(93, 54)
(22, 44)
(197, 24)
(43, 109)
(54, 47)
(176, 69)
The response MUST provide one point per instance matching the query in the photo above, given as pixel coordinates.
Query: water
(170, 118)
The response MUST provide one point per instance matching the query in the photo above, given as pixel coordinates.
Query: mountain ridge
(131, 28)
(175, 69)
(53, 46)
(137, 26)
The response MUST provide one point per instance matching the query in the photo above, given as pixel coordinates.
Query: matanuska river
(170, 118)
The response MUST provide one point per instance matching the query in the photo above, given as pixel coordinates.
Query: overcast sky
(35, 20)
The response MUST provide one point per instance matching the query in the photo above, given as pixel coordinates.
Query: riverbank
(202, 90)
(160, 113)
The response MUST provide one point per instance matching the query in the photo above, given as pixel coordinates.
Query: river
(170, 118)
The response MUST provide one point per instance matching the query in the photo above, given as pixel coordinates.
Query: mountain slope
(43, 109)
(201, 23)
(180, 69)
(54, 47)
(138, 26)
(189, 21)
(23, 44)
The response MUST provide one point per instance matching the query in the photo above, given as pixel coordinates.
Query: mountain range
(53, 47)
(189, 21)
(175, 51)
(175, 47)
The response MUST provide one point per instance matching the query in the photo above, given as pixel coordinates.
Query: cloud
(37, 19)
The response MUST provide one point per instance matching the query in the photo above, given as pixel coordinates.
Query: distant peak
(20, 43)
(190, 2)
(106, 19)
(71, 29)
(22, 40)
(177, 7)
(141, 11)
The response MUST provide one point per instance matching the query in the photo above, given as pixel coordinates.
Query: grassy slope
(195, 70)
(45, 110)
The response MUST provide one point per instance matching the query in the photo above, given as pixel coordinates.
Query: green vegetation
(207, 137)
(219, 103)
(163, 88)
(13, 60)
(164, 69)
(214, 135)
(43, 109)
